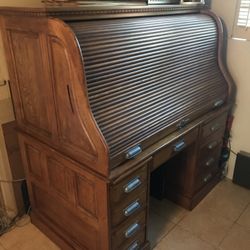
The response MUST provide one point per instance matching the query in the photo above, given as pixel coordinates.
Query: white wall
(238, 60)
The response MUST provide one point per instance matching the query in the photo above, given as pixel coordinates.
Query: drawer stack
(209, 153)
(128, 210)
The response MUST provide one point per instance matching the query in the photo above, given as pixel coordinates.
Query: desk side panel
(48, 89)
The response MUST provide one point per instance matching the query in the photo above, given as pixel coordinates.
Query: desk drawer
(133, 184)
(129, 231)
(128, 208)
(215, 125)
(172, 149)
(212, 144)
(134, 243)
(206, 175)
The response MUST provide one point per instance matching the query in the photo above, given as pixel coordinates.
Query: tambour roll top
(148, 76)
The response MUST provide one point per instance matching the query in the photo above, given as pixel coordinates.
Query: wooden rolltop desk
(106, 94)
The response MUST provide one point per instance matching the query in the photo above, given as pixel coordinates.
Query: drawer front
(212, 144)
(177, 146)
(129, 231)
(128, 208)
(134, 243)
(206, 176)
(134, 184)
(214, 126)
(209, 162)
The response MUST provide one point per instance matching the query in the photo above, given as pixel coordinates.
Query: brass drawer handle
(133, 229)
(134, 246)
(208, 177)
(212, 145)
(215, 127)
(132, 185)
(179, 146)
(210, 162)
(132, 208)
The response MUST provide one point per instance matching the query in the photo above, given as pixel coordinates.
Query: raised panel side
(33, 96)
(61, 179)
(71, 130)
(34, 162)
(82, 234)
(47, 86)
(78, 130)
(71, 200)
(86, 197)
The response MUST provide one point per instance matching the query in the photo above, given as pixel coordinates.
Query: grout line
(166, 234)
(243, 211)
(226, 234)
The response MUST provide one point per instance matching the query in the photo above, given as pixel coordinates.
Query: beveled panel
(86, 195)
(34, 161)
(61, 179)
(33, 91)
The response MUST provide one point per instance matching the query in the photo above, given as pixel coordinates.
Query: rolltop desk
(115, 101)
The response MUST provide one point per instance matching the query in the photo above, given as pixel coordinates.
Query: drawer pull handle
(212, 145)
(132, 185)
(210, 162)
(179, 146)
(215, 127)
(218, 103)
(133, 152)
(183, 123)
(207, 178)
(134, 246)
(134, 228)
(132, 208)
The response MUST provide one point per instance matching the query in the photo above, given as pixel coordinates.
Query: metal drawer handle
(213, 145)
(132, 208)
(134, 246)
(210, 162)
(133, 152)
(132, 185)
(134, 228)
(207, 178)
(179, 146)
(215, 127)
(183, 123)
(218, 103)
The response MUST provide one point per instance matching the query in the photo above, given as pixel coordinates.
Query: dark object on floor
(26, 200)
(242, 170)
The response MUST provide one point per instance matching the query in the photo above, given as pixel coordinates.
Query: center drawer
(174, 148)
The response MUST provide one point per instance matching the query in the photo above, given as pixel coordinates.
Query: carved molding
(100, 12)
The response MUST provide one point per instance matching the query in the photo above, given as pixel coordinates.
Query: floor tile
(238, 238)
(27, 237)
(207, 225)
(180, 239)
(244, 219)
(158, 228)
(167, 209)
(227, 199)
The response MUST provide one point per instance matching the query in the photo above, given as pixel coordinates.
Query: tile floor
(220, 222)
